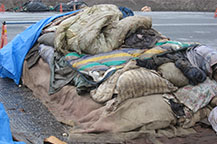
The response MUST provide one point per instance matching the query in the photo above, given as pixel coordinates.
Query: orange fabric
(2, 8)
(61, 8)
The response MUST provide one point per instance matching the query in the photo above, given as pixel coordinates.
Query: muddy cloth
(203, 57)
(96, 30)
(66, 105)
(142, 38)
(196, 97)
(142, 82)
(194, 74)
(149, 112)
(126, 11)
(32, 56)
(153, 63)
(62, 74)
(92, 69)
(177, 108)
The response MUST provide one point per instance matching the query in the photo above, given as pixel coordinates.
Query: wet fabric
(62, 74)
(32, 56)
(142, 38)
(197, 97)
(96, 30)
(163, 47)
(79, 70)
(203, 57)
(194, 74)
(213, 119)
(177, 108)
(5, 132)
(153, 63)
(126, 11)
(13, 54)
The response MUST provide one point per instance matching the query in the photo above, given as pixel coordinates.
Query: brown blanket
(66, 105)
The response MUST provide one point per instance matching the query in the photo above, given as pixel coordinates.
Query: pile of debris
(38, 6)
(104, 70)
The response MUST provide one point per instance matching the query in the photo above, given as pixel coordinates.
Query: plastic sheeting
(5, 132)
(12, 55)
(35, 7)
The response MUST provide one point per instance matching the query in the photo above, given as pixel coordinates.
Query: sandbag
(141, 82)
(47, 39)
(170, 72)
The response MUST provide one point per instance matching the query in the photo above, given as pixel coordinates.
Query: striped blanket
(116, 58)
(103, 61)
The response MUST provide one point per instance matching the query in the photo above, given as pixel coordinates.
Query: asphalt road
(181, 26)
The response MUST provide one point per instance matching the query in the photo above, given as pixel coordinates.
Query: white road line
(187, 24)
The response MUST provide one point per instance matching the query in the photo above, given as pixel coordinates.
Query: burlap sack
(170, 72)
(141, 82)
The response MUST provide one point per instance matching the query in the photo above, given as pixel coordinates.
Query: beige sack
(170, 72)
(141, 82)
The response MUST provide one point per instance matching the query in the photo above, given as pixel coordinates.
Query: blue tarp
(13, 54)
(5, 132)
